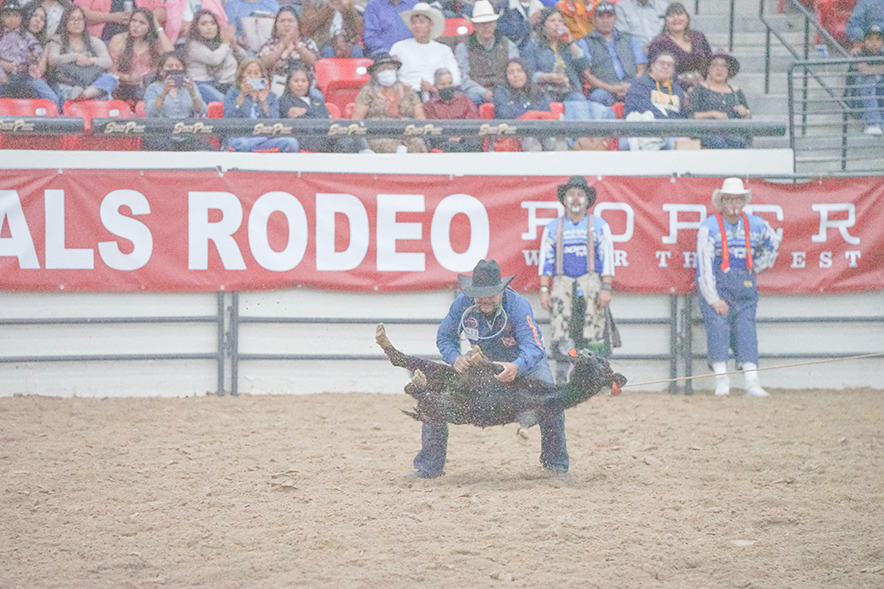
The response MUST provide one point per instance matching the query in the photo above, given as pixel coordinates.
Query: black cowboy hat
(578, 182)
(485, 281)
(383, 58)
(733, 66)
(11, 5)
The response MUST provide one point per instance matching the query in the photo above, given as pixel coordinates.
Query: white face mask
(387, 78)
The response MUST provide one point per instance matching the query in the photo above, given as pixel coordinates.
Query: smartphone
(257, 83)
(178, 78)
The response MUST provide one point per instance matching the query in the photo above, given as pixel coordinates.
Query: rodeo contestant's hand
(509, 374)
(461, 364)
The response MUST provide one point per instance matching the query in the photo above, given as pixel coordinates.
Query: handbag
(71, 74)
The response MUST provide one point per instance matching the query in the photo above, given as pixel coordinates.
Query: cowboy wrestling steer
(476, 397)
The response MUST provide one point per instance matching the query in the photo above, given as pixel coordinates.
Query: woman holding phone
(250, 98)
(174, 96)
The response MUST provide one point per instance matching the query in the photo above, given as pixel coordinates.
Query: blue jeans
(737, 330)
(284, 144)
(328, 51)
(602, 97)
(871, 92)
(553, 449)
(209, 93)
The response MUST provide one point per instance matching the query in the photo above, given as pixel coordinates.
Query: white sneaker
(722, 386)
(873, 130)
(403, 149)
(755, 390)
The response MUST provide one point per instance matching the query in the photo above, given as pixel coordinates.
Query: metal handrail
(809, 20)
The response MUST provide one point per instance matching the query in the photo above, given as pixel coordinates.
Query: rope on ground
(684, 378)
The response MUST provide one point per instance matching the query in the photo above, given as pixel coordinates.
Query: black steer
(476, 397)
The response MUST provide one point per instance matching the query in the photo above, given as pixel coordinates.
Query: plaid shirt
(20, 48)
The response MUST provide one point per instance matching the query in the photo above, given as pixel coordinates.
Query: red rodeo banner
(124, 230)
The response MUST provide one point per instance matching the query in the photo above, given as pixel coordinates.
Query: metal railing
(826, 117)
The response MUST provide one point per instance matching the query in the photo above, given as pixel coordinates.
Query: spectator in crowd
(384, 25)
(732, 248)
(643, 19)
(108, 18)
(519, 95)
(518, 20)
(865, 81)
(506, 332)
(577, 256)
(690, 48)
(482, 58)
(865, 15)
(34, 18)
(181, 14)
(421, 56)
(286, 49)
(717, 98)
(655, 95)
(251, 98)
(79, 63)
(577, 16)
(136, 54)
(174, 96)
(297, 103)
(616, 57)
(556, 59)
(334, 25)
(236, 10)
(52, 11)
(211, 54)
(21, 57)
(449, 103)
(385, 97)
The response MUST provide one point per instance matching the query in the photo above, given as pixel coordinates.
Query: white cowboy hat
(483, 11)
(733, 187)
(434, 14)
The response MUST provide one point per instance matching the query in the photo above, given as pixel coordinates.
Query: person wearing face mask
(732, 248)
(385, 97)
(576, 277)
(447, 102)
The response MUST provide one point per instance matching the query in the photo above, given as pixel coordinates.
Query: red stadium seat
(333, 110)
(139, 109)
(617, 107)
(30, 107)
(486, 110)
(348, 110)
(215, 110)
(558, 109)
(340, 79)
(457, 27)
(90, 109)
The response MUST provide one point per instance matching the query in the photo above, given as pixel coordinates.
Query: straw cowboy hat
(577, 182)
(483, 11)
(434, 14)
(732, 187)
(383, 58)
(485, 281)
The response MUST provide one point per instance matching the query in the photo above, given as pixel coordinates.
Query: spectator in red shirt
(447, 102)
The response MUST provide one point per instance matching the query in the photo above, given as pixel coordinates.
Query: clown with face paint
(732, 248)
(576, 277)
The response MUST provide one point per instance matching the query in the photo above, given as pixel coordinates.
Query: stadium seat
(557, 109)
(340, 79)
(30, 107)
(486, 110)
(457, 27)
(348, 110)
(617, 107)
(140, 110)
(833, 16)
(215, 109)
(90, 109)
(333, 110)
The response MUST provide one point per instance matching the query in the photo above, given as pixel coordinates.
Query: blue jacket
(511, 105)
(520, 341)
(646, 94)
(865, 14)
(384, 25)
(245, 110)
(541, 59)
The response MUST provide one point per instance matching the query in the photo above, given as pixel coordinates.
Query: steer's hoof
(380, 336)
(419, 379)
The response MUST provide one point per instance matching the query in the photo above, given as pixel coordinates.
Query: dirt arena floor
(310, 491)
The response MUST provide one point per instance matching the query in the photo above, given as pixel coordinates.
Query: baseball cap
(874, 30)
(604, 6)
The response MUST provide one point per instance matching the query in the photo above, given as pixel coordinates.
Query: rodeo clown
(583, 266)
(501, 322)
(726, 281)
